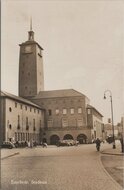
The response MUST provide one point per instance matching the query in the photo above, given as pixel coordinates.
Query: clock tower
(31, 76)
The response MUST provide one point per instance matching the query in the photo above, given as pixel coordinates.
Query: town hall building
(47, 116)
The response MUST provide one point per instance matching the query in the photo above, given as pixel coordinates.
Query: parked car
(62, 143)
(68, 142)
(7, 144)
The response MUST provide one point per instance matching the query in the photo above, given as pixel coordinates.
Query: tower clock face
(27, 49)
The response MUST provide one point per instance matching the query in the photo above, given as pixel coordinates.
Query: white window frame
(57, 111)
(79, 110)
(64, 111)
(88, 111)
(72, 111)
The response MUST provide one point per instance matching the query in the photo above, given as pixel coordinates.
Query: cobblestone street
(57, 168)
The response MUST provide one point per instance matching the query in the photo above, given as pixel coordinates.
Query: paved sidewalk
(111, 151)
(112, 160)
(5, 153)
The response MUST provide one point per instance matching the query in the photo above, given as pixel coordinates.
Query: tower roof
(30, 37)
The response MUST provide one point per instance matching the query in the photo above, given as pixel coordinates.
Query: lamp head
(104, 96)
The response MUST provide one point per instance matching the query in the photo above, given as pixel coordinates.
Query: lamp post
(111, 115)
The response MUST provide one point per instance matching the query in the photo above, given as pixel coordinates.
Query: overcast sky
(82, 42)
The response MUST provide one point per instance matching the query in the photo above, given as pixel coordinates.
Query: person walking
(98, 143)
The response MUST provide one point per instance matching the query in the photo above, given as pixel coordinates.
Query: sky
(82, 42)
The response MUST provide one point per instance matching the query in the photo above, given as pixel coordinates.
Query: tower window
(10, 109)
(10, 126)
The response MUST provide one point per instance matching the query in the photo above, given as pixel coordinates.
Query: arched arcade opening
(54, 139)
(68, 136)
(82, 138)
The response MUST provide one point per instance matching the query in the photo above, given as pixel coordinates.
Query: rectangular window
(10, 109)
(64, 111)
(15, 104)
(79, 110)
(26, 121)
(34, 110)
(88, 111)
(25, 107)
(28, 136)
(33, 122)
(18, 120)
(80, 122)
(40, 123)
(50, 123)
(34, 125)
(72, 110)
(18, 136)
(30, 109)
(64, 122)
(57, 111)
(15, 136)
(49, 112)
(21, 106)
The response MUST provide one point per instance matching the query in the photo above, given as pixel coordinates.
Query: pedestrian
(29, 144)
(122, 143)
(44, 145)
(98, 143)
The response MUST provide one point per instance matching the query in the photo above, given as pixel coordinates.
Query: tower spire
(31, 23)
(31, 33)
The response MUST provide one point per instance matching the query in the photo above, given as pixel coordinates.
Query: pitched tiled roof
(17, 98)
(58, 94)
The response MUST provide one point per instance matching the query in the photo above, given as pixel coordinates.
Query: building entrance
(82, 138)
(54, 139)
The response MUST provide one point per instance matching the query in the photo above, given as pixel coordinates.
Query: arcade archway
(67, 136)
(82, 138)
(54, 139)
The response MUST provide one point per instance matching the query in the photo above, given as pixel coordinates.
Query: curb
(117, 154)
(16, 153)
(114, 181)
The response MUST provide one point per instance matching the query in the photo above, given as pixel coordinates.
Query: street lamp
(111, 114)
